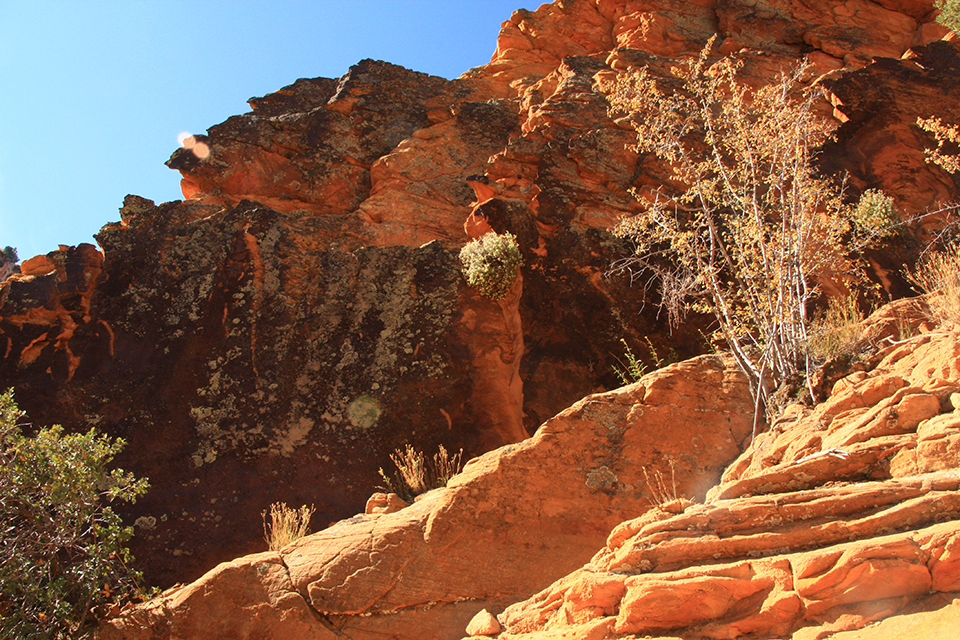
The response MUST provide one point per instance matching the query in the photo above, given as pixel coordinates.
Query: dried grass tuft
(285, 524)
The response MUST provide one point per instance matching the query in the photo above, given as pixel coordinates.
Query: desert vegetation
(490, 263)
(938, 274)
(64, 559)
(417, 474)
(283, 525)
(949, 14)
(750, 229)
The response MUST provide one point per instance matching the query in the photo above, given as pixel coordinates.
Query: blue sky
(94, 93)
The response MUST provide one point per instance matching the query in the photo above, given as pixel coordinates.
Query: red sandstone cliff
(837, 517)
(301, 315)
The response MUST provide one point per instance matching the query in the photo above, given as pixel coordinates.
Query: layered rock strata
(835, 518)
(276, 336)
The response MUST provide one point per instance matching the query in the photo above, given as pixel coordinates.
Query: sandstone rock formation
(300, 315)
(837, 517)
(834, 518)
(513, 521)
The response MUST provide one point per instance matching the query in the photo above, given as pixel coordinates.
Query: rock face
(239, 378)
(300, 316)
(834, 518)
(513, 521)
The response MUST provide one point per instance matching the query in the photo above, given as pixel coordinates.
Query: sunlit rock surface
(301, 315)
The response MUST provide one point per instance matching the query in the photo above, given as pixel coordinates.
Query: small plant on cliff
(63, 554)
(490, 263)
(949, 14)
(285, 524)
(631, 370)
(661, 493)
(751, 228)
(938, 274)
(873, 217)
(416, 474)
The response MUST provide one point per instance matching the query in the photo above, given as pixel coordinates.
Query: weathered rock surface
(834, 518)
(300, 316)
(239, 377)
(513, 521)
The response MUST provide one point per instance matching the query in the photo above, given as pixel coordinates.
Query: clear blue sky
(94, 93)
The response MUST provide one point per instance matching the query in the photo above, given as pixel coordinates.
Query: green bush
(63, 553)
(875, 216)
(490, 263)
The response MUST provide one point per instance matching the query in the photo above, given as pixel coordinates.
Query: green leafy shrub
(490, 263)
(875, 216)
(631, 370)
(63, 553)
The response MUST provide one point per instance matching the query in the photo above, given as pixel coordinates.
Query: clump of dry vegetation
(837, 332)
(661, 492)
(938, 274)
(416, 474)
(285, 524)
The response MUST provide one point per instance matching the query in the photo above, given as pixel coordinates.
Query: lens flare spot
(189, 141)
(364, 412)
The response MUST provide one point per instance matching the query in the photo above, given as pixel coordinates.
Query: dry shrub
(661, 493)
(445, 466)
(412, 467)
(837, 332)
(285, 524)
(938, 274)
(750, 229)
(417, 475)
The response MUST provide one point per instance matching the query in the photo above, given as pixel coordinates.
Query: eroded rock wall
(278, 334)
(516, 519)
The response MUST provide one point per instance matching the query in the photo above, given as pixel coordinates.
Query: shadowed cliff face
(244, 362)
(301, 315)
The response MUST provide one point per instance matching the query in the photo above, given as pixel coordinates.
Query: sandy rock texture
(516, 519)
(832, 519)
(300, 315)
